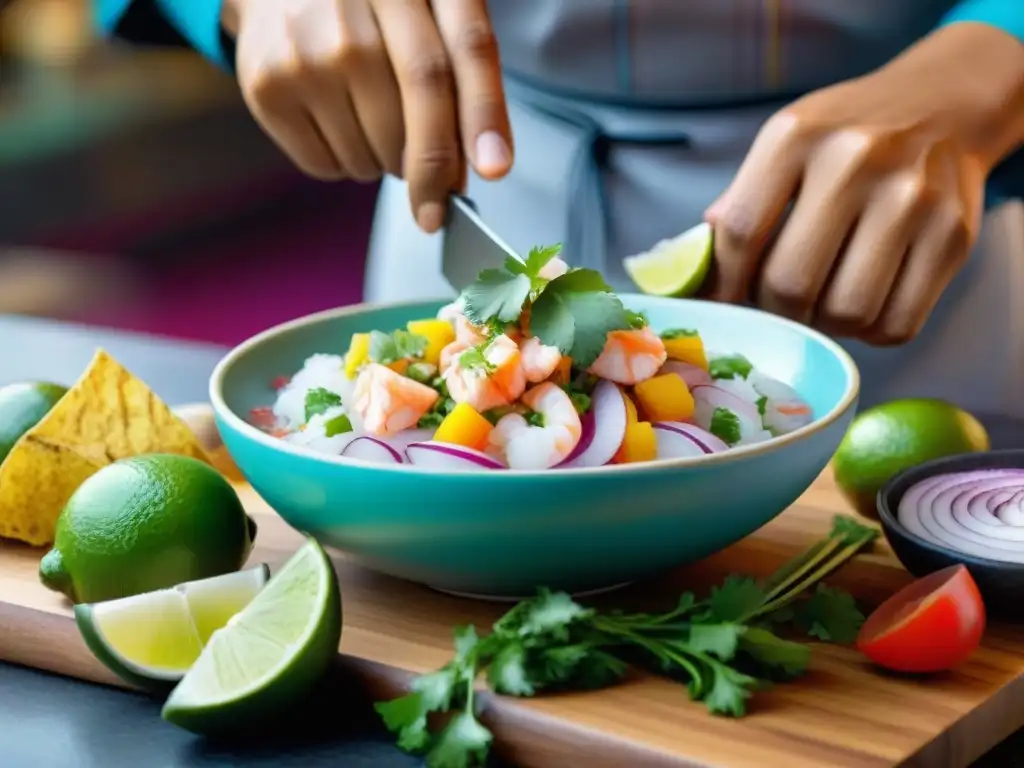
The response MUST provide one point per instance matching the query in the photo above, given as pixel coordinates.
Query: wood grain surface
(843, 713)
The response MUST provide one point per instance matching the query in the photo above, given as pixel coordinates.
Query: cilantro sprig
(319, 400)
(574, 312)
(724, 647)
(388, 348)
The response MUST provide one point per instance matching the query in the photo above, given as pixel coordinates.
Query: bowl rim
(975, 460)
(239, 424)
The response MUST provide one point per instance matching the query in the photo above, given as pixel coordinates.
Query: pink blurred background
(136, 192)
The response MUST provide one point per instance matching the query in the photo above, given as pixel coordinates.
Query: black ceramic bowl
(1001, 584)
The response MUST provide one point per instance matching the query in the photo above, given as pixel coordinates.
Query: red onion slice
(708, 397)
(979, 513)
(708, 442)
(693, 375)
(448, 456)
(407, 437)
(677, 444)
(604, 427)
(369, 448)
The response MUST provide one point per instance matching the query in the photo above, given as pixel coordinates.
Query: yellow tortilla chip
(107, 415)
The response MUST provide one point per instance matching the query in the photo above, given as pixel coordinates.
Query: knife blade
(469, 245)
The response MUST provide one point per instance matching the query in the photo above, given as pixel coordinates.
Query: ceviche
(535, 366)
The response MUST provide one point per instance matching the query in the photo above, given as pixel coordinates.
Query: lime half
(151, 640)
(674, 267)
(269, 655)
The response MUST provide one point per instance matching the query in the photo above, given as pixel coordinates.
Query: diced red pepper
(280, 382)
(262, 418)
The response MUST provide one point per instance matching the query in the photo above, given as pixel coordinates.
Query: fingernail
(492, 153)
(430, 217)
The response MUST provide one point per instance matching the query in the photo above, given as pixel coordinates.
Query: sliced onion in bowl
(708, 397)
(407, 437)
(676, 444)
(449, 456)
(979, 512)
(707, 442)
(372, 449)
(693, 375)
(604, 427)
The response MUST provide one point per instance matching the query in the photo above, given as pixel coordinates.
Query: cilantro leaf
(507, 673)
(725, 425)
(773, 652)
(729, 690)
(678, 333)
(831, 615)
(463, 743)
(735, 599)
(406, 717)
(762, 404)
(552, 613)
(729, 367)
(339, 425)
(496, 295)
(576, 312)
(637, 320)
(388, 348)
(475, 358)
(319, 400)
(720, 640)
(535, 261)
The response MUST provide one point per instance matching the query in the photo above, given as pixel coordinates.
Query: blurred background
(136, 192)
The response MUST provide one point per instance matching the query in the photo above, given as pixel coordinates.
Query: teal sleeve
(1007, 15)
(198, 21)
(108, 13)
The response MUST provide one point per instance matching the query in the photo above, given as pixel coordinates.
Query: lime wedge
(675, 267)
(269, 655)
(151, 640)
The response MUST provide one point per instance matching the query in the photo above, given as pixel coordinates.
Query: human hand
(358, 88)
(885, 175)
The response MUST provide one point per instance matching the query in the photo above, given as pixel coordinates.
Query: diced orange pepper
(665, 398)
(687, 349)
(464, 426)
(399, 366)
(562, 372)
(438, 333)
(639, 444)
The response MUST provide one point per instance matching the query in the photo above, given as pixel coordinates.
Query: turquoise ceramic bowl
(503, 534)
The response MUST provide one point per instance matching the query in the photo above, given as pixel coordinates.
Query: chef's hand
(885, 175)
(357, 88)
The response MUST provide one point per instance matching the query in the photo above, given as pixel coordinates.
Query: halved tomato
(931, 625)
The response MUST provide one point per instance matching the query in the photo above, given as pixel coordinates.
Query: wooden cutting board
(843, 713)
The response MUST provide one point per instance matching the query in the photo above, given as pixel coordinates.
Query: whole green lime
(22, 406)
(891, 437)
(146, 523)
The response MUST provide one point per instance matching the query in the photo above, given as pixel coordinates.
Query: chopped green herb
(575, 313)
(636, 320)
(319, 400)
(339, 425)
(422, 372)
(678, 333)
(581, 402)
(388, 348)
(722, 647)
(430, 420)
(762, 404)
(725, 425)
(494, 415)
(729, 367)
(535, 419)
(475, 358)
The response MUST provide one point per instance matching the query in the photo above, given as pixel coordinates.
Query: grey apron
(630, 118)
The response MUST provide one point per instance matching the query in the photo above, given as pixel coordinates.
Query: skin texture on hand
(857, 204)
(358, 88)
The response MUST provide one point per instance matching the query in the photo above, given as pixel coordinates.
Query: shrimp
(539, 360)
(524, 446)
(465, 331)
(630, 357)
(491, 379)
(387, 402)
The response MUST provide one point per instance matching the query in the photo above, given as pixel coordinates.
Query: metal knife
(469, 244)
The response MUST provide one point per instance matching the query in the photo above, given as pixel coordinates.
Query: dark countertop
(53, 722)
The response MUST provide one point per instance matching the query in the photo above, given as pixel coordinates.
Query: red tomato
(931, 625)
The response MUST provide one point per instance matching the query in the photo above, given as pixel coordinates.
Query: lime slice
(269, 655)
(151, 640)
(674, 267)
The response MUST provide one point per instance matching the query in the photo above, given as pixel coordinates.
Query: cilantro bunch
(574, 312)
(723, 647)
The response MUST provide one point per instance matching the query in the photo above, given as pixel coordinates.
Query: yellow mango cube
(639, 444)
(687, 349)
(464, 426)
(358, 354)
(665, 398)
(438, 333)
